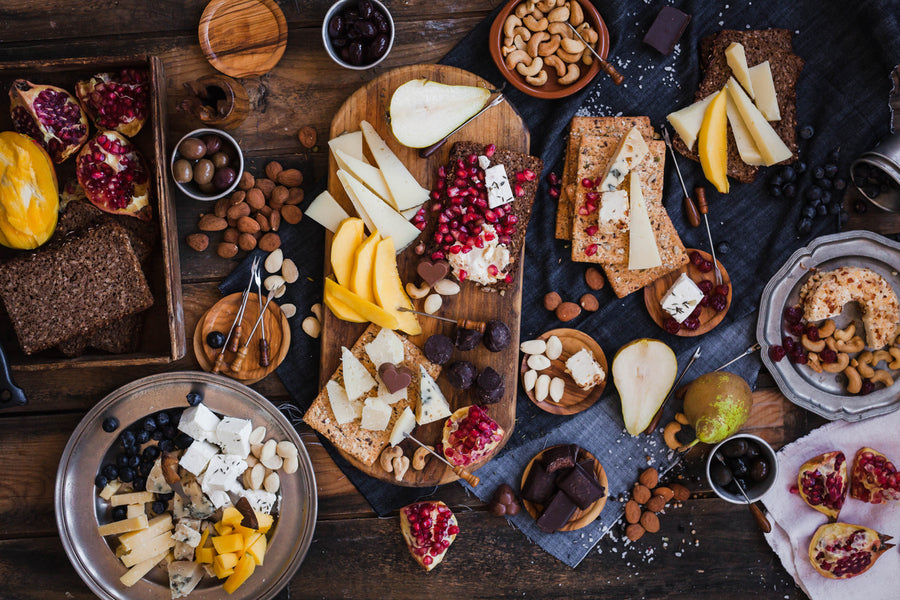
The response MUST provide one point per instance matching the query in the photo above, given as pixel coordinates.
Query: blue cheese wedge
(584, 369)
(344, 410)
(385, 348)
(613, 207)
(432, 405)
(497, 183)
(631, 151)
(184, 576)
(357, 379)
(682, 298)
(376, 414)
(184, 533)
(156, 482)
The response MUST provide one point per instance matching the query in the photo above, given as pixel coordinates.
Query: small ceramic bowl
(552, 89)
(229, 145)
(335, 52)
(755, 490)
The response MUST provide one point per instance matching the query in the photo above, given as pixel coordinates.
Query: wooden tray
(220, 317)
(500, 125)
(243, 38)
(574, 399)
(581, 518)
(709, 318)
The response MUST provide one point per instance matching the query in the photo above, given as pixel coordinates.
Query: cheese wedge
(350, 144)
(771, 147)
(764, 87)
(712, 143)
(160, 543)
(381, 217)
(388, 288)
(631, 151)
(366, 173)
(344, 410)
(742, 138)
(404, 424)
(406, 191)
(642, 250)
(357, 379)
(687, 121)
(737, 60)
(325, 211)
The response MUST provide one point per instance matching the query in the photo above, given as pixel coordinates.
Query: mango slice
(712, 143)
(363, 263)
(346, 240)
(365, 309)
(389, 292)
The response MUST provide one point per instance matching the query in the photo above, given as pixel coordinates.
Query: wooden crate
(162, 338)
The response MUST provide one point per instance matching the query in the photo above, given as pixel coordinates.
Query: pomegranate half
(822, 482)
(874, 478)
(117, 101)
(470, 435)
(114, 176)
(428, 529)
(842, 550)
(50, 115)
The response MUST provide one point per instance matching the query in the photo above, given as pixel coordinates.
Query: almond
(567, 311)
(594, 278)
(295, 195)
(247, 225)
(255, 199)
(665, 492)
(238, 197)
(279, 196)
(632, 511)
(589, 302)
(634, 532)
(291, 214)
(289, 270)
(198, 241)
(246, 242)
(650, 521)
(269, 242)
(221, 207)
(266, 186)
(265, 210)
(247, 181)
(649, 478)
(552, 300)
(263, 221)
(273, 169)
(238, 210)
(290, 177)
(212, 223)
(227, 250)
(640, 493)
(680, 492)
(231, 235)
(307, 136)
(275, 220)
(656, 503)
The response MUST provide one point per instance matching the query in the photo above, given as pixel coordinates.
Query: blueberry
(723, 248)
(818, 173)
(166, 445)
(821, 210)
(800, 167)
(183, 440)
(831, 169)
(827, 197)
(776, 180)
(122, 460)
(215, 339)
(110, 424)
(139, 484)
(789, 191)
(133, 461)
(166, 497)
(804, 226)
(100, 481)
(149, 424)
(158, 507)
(808, 212)
(132, 450)
(788, 173)
(127, 438)
(834, 208)
(126, 474)
(170, 431)
(825, 184)
(142, 436)
(813, 193)
(844, 217)
(157, 435)
(194, 398)
(110, 471)
(151, 453)
(839, 184)
(835, 155)
(145, 467)
(807, 132)
(814, 202)
(162, 419)
(775, 191)
(119, 513)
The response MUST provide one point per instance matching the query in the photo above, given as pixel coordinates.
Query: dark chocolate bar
(557, 513)
(581, 487)
(667, 28)
(560, 457)
(539, 485)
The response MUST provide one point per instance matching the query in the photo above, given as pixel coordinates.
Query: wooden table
(707, 548)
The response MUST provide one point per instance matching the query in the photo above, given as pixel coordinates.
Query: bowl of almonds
(541, 46)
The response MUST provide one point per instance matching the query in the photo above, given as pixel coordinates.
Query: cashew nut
(560, 29)
(537, 80)
(569, 58)
(535, 41)
(884, 377)
(881, 355)
(831, 344)
(812, 346)
(812, 359)
(388, 456)
(826, 329)
(863, 364)
(572, 75)
(855, 344)
(512, 21)
(401, 466)
(529, 70)
(587, 58)
(535, 25)
(505, 50)
(854, 381)
(895, 354)
(572, 46)
(538, 15)
(522, 32)
(556, 63)
(548, 48)
(846, 333)
(417, 292)
(576, 13)
(559, 14)
(843, 361)
(546, 5)
(590, 35)
(420, 457)
(514, 58)
(519, 42)
(522, 10)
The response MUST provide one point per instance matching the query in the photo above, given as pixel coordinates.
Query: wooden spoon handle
(472, 480)
(235, 339)
(760, 518)
(690, 210)
(702, 206)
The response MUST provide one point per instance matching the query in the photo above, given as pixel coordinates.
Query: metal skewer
(690, 209)
(263, 343)
(464, 323)
(658, 416)
(242, 353)
(704, 208)
(426, 152)
(220, 359)
(461, 471)
(746, 352)
(236, 340)
(607, 67)
(755, 510)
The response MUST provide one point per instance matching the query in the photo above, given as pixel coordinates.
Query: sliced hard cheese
(388, 288)
(642, 250)
(132, 498)
(134, 510)
(160, 543)
(369, 175)
(346, 299)
(404, 424)
(155, 527)
(357, 380)
(377, 214)
(350, 144)
(737, 60)
(631, 151)
(770, 146)
(137, 572)
(406, 191)
(712, 143)
(344, 410)
(742, 138)
(764, 86)
(325, 211)
(361, 276)
(111, 488)
(132, 524)
(385, 348)
(688, 120)
(432, 404)
(376, 415)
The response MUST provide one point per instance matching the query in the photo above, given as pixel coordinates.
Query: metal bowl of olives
(748, 459)
(207, 164)
(358, 34)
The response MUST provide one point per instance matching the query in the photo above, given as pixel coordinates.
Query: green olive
(182, 171)
(220, 159)
(203, 171)
(192, 149)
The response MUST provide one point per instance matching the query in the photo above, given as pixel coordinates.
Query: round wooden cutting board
(243, 38)
(500, 125)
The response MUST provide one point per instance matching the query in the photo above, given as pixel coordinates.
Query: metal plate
(79, 510)
(823, 393)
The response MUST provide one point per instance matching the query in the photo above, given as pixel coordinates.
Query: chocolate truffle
(496, 335)
(467, 339)
(438, 349)
(461, 374)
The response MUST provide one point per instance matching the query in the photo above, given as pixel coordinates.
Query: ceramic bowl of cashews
(540, 46)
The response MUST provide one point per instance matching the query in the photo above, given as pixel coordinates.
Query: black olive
(381, 22)
(100, 481)
(355, 53)
(759, 469)
(365, 29)
(365, 8)
(339, 42)
(193, 398)
(351, 16)
(336, 26)
(735, 448)
(719, 474)
(377, 47)
(738, 466)
(110, 424)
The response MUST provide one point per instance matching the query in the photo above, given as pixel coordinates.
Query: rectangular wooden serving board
(500, 125)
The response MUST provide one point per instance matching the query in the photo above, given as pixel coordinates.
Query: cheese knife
(472, 480)
(464, 323)
(242, 353)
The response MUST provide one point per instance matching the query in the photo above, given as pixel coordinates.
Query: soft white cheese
(199, 422)
(682, 298)
(385, 348)
(477, 262)
(613, 207)
(376, 415)
(585, 371)
(234, 436)
(196, 457)
(497, 184)
(260, 500)
(220, 475)
(631, 151)
(404, 424)
(484, 162)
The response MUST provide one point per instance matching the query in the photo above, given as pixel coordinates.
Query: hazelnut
(589, 302)
(552, 300)
(634, 532)
(650, 521)
(594, 278)
(567, 311)
(649, 477)
(632, 511)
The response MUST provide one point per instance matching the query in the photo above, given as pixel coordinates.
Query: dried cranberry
(718, 303)
(788, 343)
(697, 259)
(797, 329)
(812, 333)
(705, 267)
(696, 312)
(867, 387)
(793, 314)
(672, 326)
(691, 323)
(776, 353)
(722, 290)
(705, 286)
(828, 355)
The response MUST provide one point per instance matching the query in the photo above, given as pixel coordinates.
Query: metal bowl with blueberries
(358, 34)
(748, 460)
(207, 164)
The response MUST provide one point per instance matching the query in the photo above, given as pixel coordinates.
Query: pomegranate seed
(436, 207)
(462, 172)
(519, 191)
(553, 192)
(472, 158)
(437, 255)
(452, 192)
(592, 230)
(493, 270)
(583, 211)
(463, 274)
(508, 278)
(489, 150)
(529, 175)
(420, 226)
(479, 242)
(455, 249)
(553, 178)
(435, 195)
(591, 250)
(490, 216)
(587, 183)
(441, 172)
(592, 197)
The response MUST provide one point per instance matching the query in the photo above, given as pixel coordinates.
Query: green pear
(717, 405)
(643, 372)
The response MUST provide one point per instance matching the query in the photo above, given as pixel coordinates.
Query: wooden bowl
(220, 317)
(552, 89)
(574, 399)
(580, 518)
(709, 318)
(243, 38)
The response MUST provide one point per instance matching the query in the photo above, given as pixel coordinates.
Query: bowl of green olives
(749, 461)
(207, 164)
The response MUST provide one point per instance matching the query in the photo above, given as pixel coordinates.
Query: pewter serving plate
(824, 393)
(79, 509)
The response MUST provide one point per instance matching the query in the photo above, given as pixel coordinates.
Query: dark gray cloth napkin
(849, 48)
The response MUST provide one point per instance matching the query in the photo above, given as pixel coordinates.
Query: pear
(717, 405)
(423, 112)
(643, 372)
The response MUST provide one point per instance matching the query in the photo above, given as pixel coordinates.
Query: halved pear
(423, 111)
(643, 372)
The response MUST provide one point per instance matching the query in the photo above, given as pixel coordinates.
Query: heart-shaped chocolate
(432, 272)
(395, 378)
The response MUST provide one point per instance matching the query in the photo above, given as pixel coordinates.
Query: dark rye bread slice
(119, 337)
(773, 45)
(89, 280)
(513, 162)
(80, 214)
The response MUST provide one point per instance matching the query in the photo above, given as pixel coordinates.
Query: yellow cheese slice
(642, 250)
(366, 173)
(111, 488)
(771, 147)
(132, 498)
(132, 524)
(742, 138)
(325, 211)
(156, 526)
(687, 121)
(137, 572)
(364, 309)
(737, 60)
(404, 188)
(135, 510)
(766, 96)
(161, 543)
(349, 143)
(381, 217)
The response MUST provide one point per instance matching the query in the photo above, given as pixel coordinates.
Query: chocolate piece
(395, 378)
(582, 487)
(461, 374)
(490, 386)
(491, 396)
(557, 513)
(560, 457)
(587, 464)
(432, 272)
(667, 28)
(496, 335)
(467, 339)
(539, 485)
(438, 349)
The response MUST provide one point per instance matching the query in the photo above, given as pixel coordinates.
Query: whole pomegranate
(118, 101)
(114, 176)
(822, 482)
(842, 550)
(874, 478)
(50, 115)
